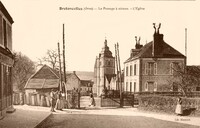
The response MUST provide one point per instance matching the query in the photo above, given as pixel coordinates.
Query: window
(151, 86)
(108, 62)
(155, 86)
(134, 86)
(127, 71)
(5, 33)
(150, 68)
(130, 86)
(131, 70)
(173, 67)
(155, 68)
(146, 86)
(146, 69)
(126, 86)
(135, 70)
(175, 87)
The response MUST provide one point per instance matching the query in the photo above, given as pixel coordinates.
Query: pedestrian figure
(179, 109)
(59, 102)
(52, 100)
(92, 101)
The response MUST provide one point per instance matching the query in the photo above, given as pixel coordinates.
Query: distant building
(6, 60)
(46, 79)
(150, 67)
(104, 71)
(80, 80)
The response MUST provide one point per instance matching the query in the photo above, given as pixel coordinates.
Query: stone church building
(104, 71)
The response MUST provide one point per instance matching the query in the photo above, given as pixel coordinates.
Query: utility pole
(185, 51)
(64, 68)
(116, 60)
(60, 71)
(120, 76)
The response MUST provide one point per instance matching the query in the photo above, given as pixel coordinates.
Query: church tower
(104, 70)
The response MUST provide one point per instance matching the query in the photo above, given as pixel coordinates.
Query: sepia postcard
(100, 63)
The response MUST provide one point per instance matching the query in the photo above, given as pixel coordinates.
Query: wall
(73, 82)
(168, 104)
(163, 76)
(132, 78)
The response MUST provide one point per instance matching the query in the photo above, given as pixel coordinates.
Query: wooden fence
(36, 99)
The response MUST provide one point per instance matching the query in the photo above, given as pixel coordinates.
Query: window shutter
(171, 68)
(146, 68)
(155, 68)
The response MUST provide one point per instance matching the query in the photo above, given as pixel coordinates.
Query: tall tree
(23, 68)
(51, 58)
(186, 80)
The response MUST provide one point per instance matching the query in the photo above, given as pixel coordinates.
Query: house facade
(6, 60)
(41, 83)
(80, 80)
(151, 67)
(104, 71)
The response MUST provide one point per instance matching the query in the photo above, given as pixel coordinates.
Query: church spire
(105, 43)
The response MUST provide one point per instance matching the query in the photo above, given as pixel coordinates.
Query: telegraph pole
(120, 77)
(185, 50)
(116, 60)
(60, 66)
(64, 68)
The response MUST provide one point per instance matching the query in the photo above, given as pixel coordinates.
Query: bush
(167, 104)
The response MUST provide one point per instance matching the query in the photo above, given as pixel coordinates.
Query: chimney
(74, 72)
(137, 45)
(157, 46)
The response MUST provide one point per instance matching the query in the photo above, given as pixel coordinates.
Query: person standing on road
(59, 102)
(179, 109)
(52, 100)
(92, 101)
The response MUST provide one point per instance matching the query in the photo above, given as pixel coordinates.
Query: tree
(23, 68)
(51, 58)
(186, 79)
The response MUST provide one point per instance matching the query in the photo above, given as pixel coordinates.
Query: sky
(38, 24)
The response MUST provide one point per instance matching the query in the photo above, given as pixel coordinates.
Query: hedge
(167, 104)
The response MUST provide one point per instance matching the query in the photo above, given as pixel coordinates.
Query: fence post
(133, 100)
(79, 99)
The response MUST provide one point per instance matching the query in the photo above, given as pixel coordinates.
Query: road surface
(107, 121)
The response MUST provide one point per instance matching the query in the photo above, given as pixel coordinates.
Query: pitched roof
(83, 75)
(45, 77)
(42, 83)
(46, 72)
(5, 12)
(146, 52)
